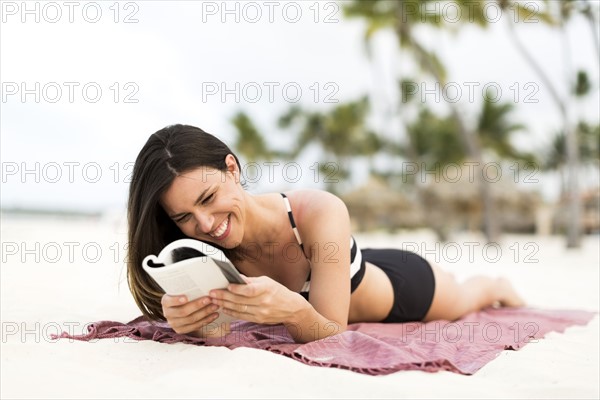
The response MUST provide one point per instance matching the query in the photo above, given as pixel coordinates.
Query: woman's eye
(209, 198)
(183, 219)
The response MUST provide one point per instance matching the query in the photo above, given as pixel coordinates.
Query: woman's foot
(509, 297)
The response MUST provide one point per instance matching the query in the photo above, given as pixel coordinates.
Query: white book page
(192, 277)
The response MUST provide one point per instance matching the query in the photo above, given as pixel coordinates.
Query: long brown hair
(169, 152)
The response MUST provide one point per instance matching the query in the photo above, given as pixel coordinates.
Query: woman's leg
(452, 300)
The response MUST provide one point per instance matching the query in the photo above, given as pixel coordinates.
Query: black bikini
(411, 276)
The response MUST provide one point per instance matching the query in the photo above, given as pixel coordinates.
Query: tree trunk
(471, 140)
(472, 147)
(572, 147)
(574, 198)
(589, 15)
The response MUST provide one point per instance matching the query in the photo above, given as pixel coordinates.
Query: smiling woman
(186, 183)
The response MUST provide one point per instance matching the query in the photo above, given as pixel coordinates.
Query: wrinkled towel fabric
(462, 346)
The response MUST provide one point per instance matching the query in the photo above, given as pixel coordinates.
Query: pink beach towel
(462, 346)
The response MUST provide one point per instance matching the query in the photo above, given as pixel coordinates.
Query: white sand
(41, 297)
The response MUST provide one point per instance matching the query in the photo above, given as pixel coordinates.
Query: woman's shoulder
(308, 204)
(312, 198)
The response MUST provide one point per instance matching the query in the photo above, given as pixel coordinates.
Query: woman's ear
(232, 167)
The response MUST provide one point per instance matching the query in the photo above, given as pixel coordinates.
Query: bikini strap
(292, 222)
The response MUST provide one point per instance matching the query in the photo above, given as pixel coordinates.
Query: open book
(192, 268)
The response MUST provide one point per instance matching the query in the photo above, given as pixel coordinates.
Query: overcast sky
(85, 84)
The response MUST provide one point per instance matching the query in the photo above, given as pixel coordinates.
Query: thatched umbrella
(459, 204)
(376, 205)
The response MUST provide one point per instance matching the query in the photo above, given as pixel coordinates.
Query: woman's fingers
(173, 308)
(240, 307)
(248, 290)
(236, 314)
(168, 301)
(231, 301)
(255, 287)
(245, 299)
(195, 321)
(189, 316)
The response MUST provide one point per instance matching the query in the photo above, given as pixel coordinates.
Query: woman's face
(207, 204)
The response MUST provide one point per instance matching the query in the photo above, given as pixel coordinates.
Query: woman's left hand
(261, 300)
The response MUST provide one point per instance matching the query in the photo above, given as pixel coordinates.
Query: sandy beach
(60, 274)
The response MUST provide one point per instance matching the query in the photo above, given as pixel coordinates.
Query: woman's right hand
(191, 317)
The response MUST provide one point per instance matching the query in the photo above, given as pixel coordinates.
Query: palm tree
(564, 10)
(555, 159)
(341, 133)
(586, 8)
(495, 127)
(402, 17)
(434, 141)
(249, 143)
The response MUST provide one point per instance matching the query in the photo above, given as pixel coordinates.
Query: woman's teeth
(221, 229)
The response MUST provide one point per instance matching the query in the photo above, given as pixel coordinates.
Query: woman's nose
(204, 221)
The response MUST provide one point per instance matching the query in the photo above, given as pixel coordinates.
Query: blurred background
(451, 116)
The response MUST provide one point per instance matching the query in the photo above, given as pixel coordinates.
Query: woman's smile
(222, 230)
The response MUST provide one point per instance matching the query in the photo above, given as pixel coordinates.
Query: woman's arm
(307, 325)
(324, 226)
(266, 301)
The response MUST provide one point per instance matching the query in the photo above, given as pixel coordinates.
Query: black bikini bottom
(412, 279)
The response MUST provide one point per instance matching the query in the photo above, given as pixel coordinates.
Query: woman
(302, 266)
